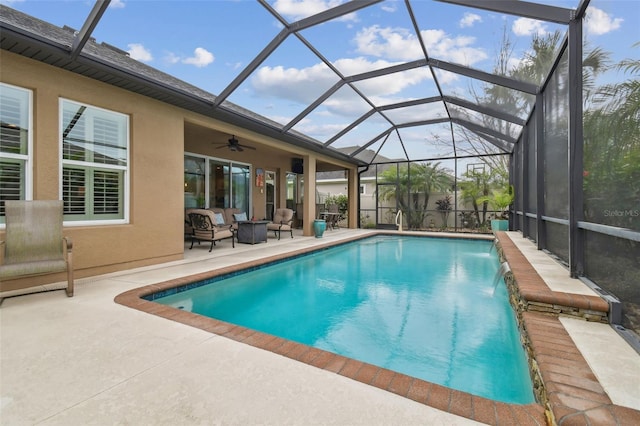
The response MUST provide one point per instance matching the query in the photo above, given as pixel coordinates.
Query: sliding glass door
(240, 187)
(219, 184)
(211, 182)
(194, 182)
(270, 199)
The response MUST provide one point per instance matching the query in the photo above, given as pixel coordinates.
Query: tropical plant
(467, 219)
(340, 200)
(474, 188)
(500, 201)
(412, 185)
(533, 68)
(444, 207)
(612, 150)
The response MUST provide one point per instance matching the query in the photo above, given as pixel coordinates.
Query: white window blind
(95, 163)
(15, 133)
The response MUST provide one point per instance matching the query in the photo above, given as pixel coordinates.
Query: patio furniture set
(216, 224)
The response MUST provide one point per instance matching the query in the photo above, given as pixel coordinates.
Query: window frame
(27, 185)
(93, 166)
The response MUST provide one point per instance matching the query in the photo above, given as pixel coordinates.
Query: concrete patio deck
(88, 360)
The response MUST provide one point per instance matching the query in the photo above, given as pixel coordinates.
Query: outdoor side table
(252, 231)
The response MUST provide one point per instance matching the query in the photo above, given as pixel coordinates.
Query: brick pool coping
(569, 389)
(564, 399)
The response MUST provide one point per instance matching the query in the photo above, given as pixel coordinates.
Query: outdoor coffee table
(252, 231)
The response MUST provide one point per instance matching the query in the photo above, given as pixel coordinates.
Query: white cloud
(305, 85)
(456, 49)
(598, 22)
(140, 53)
(386, 85)
(515, 63)
(389, 7)
(528, 27)
(299, 9)
(302, 85)
(390, 46)
(351, 66)
(116, 4)
(319, 130)
(201, 58)
(392, 43)
(469, 19)
(234, 65)
(171, 58)
(401, 44)
(446, 77)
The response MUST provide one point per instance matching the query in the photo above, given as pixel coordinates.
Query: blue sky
(207, 43)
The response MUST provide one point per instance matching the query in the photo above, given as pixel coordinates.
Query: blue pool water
(425, 307)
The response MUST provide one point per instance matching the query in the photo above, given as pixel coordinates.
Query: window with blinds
(15, 155)
(95, 149)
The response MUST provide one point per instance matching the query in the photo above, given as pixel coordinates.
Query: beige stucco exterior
(160, 134)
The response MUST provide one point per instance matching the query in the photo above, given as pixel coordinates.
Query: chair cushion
(221, 234)
(219, 218)
(32, 268)
(278, 227)
(283, 215)
(240, 217)
(228, 214)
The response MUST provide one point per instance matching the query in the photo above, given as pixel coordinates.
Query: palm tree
(533, 68)
(612, 149)
(415, 184)
(475, 188)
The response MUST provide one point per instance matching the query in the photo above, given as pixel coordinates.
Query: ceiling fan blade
(233, 144)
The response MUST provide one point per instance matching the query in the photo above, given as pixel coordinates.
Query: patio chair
(34, 244)
(282, 221)
(204, 228)
(333, 217)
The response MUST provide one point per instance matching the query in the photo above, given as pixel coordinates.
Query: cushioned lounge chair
(282, 221)
(34, 244)
(204, 228)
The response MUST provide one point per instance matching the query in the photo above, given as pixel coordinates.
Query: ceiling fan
(234, 145)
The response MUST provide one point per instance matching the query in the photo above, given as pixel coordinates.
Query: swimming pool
(425, 307)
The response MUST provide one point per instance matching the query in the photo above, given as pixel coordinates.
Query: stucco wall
(160, 134)
(154, 233)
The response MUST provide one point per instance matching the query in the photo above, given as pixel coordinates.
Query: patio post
(309, 194)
